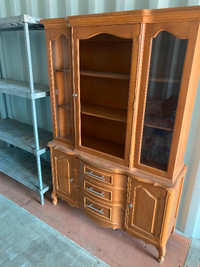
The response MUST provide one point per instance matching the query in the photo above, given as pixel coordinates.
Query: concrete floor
(26, 241)
(114, 247)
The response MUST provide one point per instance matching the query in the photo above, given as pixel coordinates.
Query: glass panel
(105, 62)
(167, 60)
(63, 89)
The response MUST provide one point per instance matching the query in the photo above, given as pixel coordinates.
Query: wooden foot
(54, 197)
(161, 253)
(160, 259)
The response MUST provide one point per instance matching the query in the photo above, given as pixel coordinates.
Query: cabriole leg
(54, 197)
(161, 253)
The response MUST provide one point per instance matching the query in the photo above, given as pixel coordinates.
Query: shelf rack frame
(27, 90)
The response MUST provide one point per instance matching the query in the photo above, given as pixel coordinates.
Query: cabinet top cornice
(55, 23)
(179, 14)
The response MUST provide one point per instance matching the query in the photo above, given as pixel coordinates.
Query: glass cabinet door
(164, 82)
(104, 72)
(62, 87)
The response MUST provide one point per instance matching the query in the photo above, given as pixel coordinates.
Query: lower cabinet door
(144, 209)
(63, 180)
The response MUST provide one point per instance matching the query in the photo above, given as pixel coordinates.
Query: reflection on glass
(166, 67)
(63, 90)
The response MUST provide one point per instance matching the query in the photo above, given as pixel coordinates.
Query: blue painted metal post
(3, 107)
(33, 104)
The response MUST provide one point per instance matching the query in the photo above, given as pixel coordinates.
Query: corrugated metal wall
(189, 214)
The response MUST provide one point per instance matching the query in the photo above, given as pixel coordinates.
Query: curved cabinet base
(115, 198)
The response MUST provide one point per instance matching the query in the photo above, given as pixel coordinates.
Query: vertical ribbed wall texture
(61, 8)
(189, 214)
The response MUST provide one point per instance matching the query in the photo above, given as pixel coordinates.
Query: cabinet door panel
(166, 70)
(145, 208)
(63, 173)
(60, 76)
(105, 65)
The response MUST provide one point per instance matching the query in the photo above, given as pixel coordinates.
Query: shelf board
(62, 70)
(164, 80)
(102, 145)
(22, 167)
(67, 106)
(154, 164)
(21, 135)
(21, 88)
(111, 75)
(158, 127)
(18, 22)
(104, 112)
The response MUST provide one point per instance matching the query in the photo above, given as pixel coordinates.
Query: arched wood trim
(120, 31)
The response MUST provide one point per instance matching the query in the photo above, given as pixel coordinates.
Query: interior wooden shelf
(158, 127)
(21, 88)
(22, 167)
(164, 80)
(21, 135)
(104, 112)
(102, 145)
(111, 75)
(65, 105)
(62, 70)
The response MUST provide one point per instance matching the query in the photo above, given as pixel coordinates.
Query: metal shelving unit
(22, 160)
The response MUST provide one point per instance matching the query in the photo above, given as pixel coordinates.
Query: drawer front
(97, 209)
(98, 175)
(97, 191)
(101, 176)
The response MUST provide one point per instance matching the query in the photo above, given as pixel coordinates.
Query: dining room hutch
(122, 88)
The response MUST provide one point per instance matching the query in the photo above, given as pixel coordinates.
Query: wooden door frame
(53, 34)
(182, 30)
(123, 31)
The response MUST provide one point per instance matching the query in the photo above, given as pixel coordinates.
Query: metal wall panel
(16, 68)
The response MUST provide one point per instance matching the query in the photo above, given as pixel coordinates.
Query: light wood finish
(60, 77)
(62, 172)
(184, 30)
(131, 113)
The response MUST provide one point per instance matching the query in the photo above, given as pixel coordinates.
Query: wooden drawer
(97, 191)
(98, 175)
(105, 215)
(102, 177)
(97, 209)
(102, 193)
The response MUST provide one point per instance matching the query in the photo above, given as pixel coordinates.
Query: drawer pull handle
(71, 180)
(92, 208)
(130, 205)
(96, 176)
(95, 192)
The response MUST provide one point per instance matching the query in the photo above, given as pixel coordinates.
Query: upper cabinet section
(123, 85)
(166, 67)
(106, 67)
(60, 79)
(63, 88)
(166, 72)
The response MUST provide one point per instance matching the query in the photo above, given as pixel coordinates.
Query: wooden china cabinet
(122, 90)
